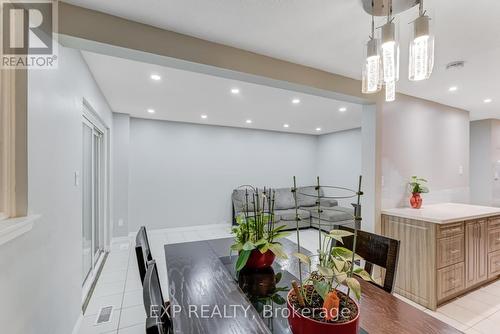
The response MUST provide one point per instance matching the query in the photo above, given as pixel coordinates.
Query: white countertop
(444, 213)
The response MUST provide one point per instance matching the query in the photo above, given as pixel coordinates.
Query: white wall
(429, 140)
(495, 161)
(484, 160)
(481, 174)
(41, 277)
(339, 161)
(183, 174)
(121, 153)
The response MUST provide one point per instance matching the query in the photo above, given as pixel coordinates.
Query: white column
(370, 168)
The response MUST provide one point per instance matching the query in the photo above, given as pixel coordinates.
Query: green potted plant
(256, 234)
(417, 186)
(316, 303)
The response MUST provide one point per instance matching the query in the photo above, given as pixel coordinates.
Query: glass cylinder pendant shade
(390, 91)
(390, 53)
(372, 69)
(421, 59)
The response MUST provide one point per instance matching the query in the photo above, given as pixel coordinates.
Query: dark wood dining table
(198, 279)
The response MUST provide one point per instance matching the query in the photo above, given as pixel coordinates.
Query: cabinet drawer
(450, 230)
(450, 251)
(494, 264)
(494, 223)
(450, 280)
(494, 240)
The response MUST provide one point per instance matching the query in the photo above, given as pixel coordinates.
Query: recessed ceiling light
(286, 125)
(318, 129)
(296, 101)
(235, 91)
(248, 121)
(453, 89)
(487, 100)
(155, 77)
(151, 111)
(204, 116)
(342, 109)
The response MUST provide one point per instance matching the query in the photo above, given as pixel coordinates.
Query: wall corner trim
(13, 228)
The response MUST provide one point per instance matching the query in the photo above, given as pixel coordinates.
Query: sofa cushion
(307, 196)
(239, 200)
(329, 202)
(289, 214)
(334, 214)
(292, 225)
(284, 199)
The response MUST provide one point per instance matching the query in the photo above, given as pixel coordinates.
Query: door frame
(90, 116)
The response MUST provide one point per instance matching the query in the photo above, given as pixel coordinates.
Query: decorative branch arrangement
(333, 266)
(256, 234)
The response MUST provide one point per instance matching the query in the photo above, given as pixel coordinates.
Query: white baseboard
(76, 328)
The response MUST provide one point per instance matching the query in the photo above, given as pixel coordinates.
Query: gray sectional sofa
(332, 215)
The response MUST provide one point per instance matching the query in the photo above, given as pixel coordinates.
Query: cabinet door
(470, 254)
(494, 240)
(494, 264)
(482, 253)
(450, 251)
(450, 281)
(476, 246)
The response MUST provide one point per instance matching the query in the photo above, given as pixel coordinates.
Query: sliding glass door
(92, 194)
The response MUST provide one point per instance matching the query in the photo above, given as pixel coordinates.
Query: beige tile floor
(119, 285)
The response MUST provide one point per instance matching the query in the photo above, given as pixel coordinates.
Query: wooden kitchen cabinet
(442, 256)
(494, 264)
(450, 251)
(450, 280)
(476, 248)
(494, 239)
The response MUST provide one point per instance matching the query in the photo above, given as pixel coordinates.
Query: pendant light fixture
(390, 56)
(390, 91)
(421, 48)
(381, 62)
(390, 49)
(372, 69)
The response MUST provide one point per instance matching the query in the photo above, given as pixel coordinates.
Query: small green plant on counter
(417, 185)
(256, 229)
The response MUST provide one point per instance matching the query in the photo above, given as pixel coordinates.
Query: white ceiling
(330, 35)
(184, 96)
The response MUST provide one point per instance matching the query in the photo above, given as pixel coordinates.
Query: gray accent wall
(339, 160)
(183, 174)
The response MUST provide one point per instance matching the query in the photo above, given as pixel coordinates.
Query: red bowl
(257, 260)
(300, 324)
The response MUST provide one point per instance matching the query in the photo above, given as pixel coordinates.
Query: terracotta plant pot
(416, 201)
(300, 324)
(257, 260)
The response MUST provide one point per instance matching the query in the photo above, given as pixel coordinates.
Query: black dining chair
(155, 306)
(376, 250)
(142, 251)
